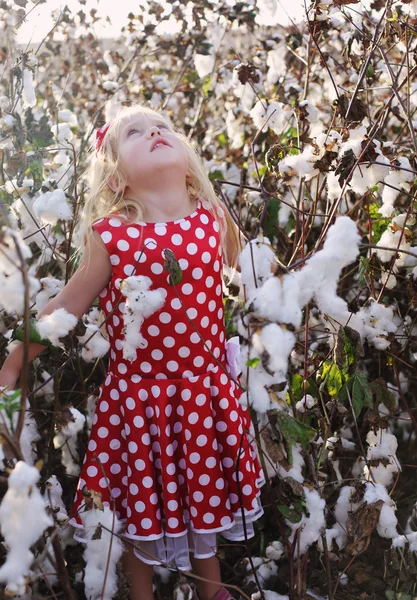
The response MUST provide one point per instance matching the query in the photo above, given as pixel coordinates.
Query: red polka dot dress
(175, 444)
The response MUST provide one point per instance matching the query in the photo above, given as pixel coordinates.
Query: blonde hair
(101, 201)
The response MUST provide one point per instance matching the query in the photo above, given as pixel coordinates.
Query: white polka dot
(208, 422)
(204, 479)
(233, 416)
(200, 400)
(187, 289)
(198, 361)
(103, 483)
(231, 440)
(214, 501)
(123, 245)
(140, 256)
(103, 432)
(201, 298)
(172, 487)
(106, 236)
(176, 303)
(121, 367)
(115, 469)
(114, 259)
(145, 367)
(92, 471)
(227, 462)
(211, 462)
(193, 418)
(206, 257)
(154, 498)
(204, 219)
(115, 444)
(143, 394)
(160, 229)
(221, 426)
(192, 248)
(146, 439)
(149, 412)
(212, 305)
(194, 337)
(185, 225)
(180, 327)
(172, 365)
(224, 402)
(214, 329)
(191, 313)
(153, 330)
(209, 281)
(92, 445)
(157, 268)
(132, 232)
(103, 457)
(202, 440)
(172, 505)
(150, 243)
(205, 321)
(171, 390)
(140, 464)
(133, 447)
(130, 403)
(116, 493)
(185, 394)
(168, 342)
(115, 222)
(219, 291)
(146, 523)
(122, 385)
(220, 483)
(233, 498)
(199, 233)
(183, 263)
(171, 469)
(184, 352)
(197, 273)
(194, 457)
(247, 490)
(225, 521)
(216, 226)
(212, 241)
(140, 506)
(147, 482)
(216, 265)
(198, 496)
(176, 239)
(157, 354)
(104, 406)
(156, 390)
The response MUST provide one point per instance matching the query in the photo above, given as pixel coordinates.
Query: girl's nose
(152, 130)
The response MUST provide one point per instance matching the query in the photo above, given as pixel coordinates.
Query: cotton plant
(382, 446)
(66, 440)
(53, 499)
(23, 519)
(399, 177)
(99, 527)
(141, 302)
(29, 435)
(271, 114)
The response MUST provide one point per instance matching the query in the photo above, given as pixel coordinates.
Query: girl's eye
(130, 131)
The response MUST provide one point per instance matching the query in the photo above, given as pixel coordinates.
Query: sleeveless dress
(175, 444)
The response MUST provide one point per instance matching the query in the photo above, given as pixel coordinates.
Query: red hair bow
(100, 133)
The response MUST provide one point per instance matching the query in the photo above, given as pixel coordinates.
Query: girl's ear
(113, 184)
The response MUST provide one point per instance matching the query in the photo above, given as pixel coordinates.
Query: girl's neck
(160, 212)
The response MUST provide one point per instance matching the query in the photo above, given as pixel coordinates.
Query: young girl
(170, 443)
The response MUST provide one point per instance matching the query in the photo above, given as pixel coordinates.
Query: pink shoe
(223, 594)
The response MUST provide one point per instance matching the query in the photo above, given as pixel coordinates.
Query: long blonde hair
(101, 201)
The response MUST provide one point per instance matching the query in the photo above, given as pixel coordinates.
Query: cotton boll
(96, 347)
(50, 287)
(397, 178)
(23, 519)
(12, 245)
(296, 165)
(13, 289)
(256, 380)
(265, 569)
(52, 206)
(382, 445)
(310, 527)
(55, 325)
(255, 262)
(297, 465)
(277, 342)
(66, 440)
(28, 93)
(268, 595)
(97, 552)
(277, 300)
(275, 550)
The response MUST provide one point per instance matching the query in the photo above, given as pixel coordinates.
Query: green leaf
(271, 219)
(222, 139)
(363, 272)
(173, 267)
(361, 394)
(294, 431)
(382, 394)
(348, 349)
(213, 175)
(19, 334)
(293, 514)
(379, 223)
(253, 362)
(333, 377)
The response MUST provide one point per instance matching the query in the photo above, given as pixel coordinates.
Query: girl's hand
(8, 378)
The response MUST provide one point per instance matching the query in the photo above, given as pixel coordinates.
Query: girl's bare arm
(76, 297)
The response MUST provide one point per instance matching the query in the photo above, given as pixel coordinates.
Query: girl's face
(145, 165)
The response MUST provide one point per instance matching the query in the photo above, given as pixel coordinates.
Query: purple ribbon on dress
(232, 356)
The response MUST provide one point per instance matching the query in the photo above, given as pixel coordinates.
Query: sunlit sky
(39, 21)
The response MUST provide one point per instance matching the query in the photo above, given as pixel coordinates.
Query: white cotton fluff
(255, 262)
(53, 498)
(52, 206)
(382, 445)
(312, 111)
(275, 550)
(410, 540)
(28, 94)
(298, 165)
(277, 300)
(141, 302)
(97, 552)
(11, 243)
(66, 440)
(277, 342)
(311, 526)
(256, 380)
(343, 507)
(95, 348)
(50, 287)
(306, 403)
(55, 325)
(276, 114)
(296, 470)
(90, 410)
(387, 523)
(23, 519)
(268, 595)
(265, 569)
(30, 433)
(12, 297)
(397, 178)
